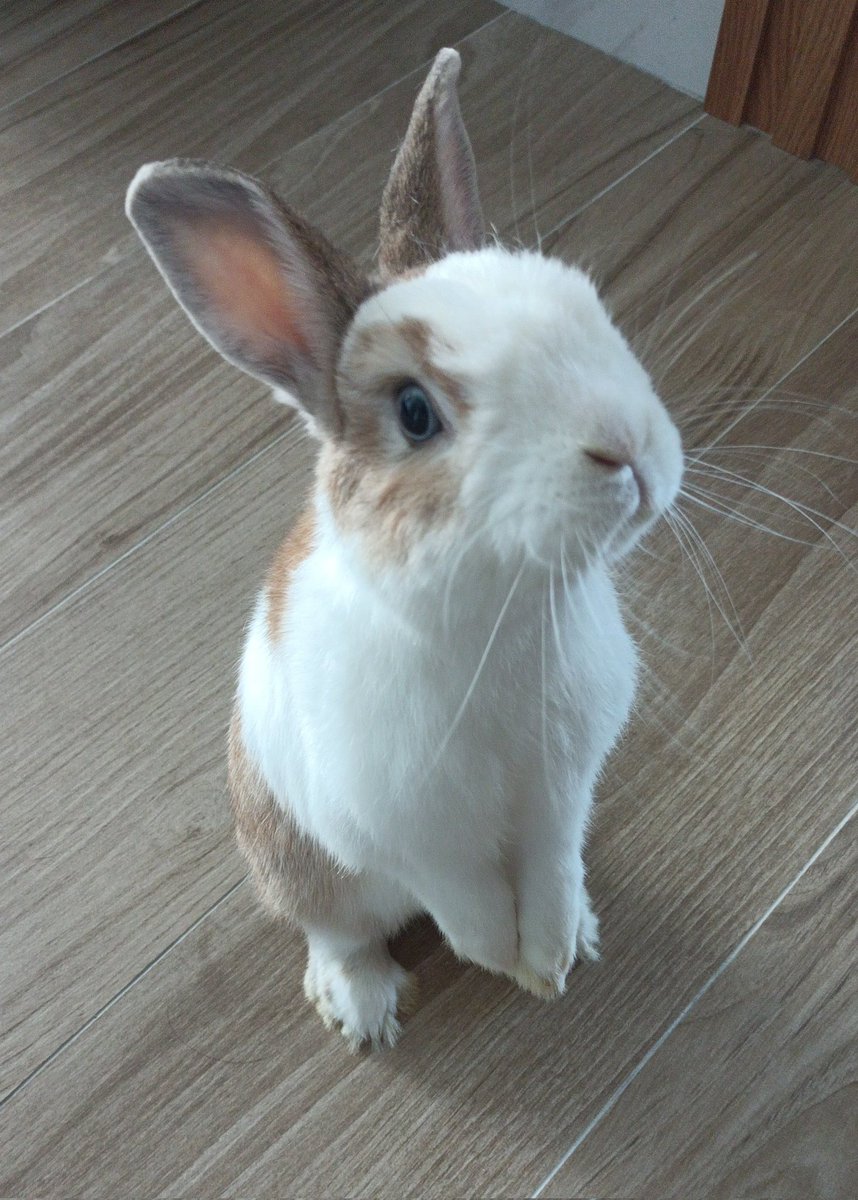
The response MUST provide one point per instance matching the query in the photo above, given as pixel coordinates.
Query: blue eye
(417, 417)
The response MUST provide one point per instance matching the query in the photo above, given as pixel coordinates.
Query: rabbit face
(490, 397)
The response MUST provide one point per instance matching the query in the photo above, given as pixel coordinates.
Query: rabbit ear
(265, 288)
(431, 204)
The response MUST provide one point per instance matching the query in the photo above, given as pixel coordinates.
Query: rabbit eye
(417, 417)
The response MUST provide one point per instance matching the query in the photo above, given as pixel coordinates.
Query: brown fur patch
(293, 876)
(395, 352)
(390, 507)
(418, 337)
(291, 553)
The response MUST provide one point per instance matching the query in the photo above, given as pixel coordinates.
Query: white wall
(673, 39)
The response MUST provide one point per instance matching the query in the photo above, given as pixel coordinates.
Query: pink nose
(606, 458)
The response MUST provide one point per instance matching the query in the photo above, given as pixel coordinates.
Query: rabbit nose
(615, 460)
(609, 458)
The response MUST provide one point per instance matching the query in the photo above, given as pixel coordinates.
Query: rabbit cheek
(389, 510)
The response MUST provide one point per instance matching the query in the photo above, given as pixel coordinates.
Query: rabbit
(436, 667)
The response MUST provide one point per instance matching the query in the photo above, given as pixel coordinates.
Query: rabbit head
(463, 392)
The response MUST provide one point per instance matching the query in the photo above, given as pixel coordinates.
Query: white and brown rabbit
(437, 666)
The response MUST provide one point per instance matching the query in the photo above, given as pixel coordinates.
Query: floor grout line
(759, 400)
(295, 429)
(612, 1100)
(144, 971)
(573, 216)
(101, 54)
(56, 300)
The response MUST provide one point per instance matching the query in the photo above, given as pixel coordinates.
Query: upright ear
(266, 289)
(431, 204)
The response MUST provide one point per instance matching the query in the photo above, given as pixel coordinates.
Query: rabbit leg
(356, 986)
(556, 922)
(473, 905)
(346, 916)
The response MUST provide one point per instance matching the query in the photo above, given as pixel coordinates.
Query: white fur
(473, 811)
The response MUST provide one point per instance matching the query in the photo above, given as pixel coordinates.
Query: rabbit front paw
(545, 959)
(363, 996)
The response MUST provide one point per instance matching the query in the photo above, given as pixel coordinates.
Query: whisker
(454, 570)
(545, 757)
(454, 724)
(763, 390)
(703, 294)
(719, 505)
(799, 506)
(737, 632)
(780, 449)
(802, 509)
(762, 453)
(705, 413)
(689, 553)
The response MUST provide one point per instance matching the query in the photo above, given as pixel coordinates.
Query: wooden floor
(154, 1038)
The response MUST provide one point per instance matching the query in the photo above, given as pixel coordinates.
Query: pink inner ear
(243, 282)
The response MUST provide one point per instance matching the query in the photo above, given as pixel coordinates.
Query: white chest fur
(394, 739)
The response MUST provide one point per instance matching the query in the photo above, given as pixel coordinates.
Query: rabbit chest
(386, 743)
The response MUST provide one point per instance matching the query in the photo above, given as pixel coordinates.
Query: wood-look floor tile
(41, 40)
(116, 831)
(699, 828)
(240, 81)
(116, 414)
(755, 1093)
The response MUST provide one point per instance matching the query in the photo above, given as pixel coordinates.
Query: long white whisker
(762, 452)
(703, 294)
(554, 626)
(454, 569)
(716, 503)
(545, 758)
(674, 523)
(798, 506)
(737, 632)
(690, 422)
(491, 641)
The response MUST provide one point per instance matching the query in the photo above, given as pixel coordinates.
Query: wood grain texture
(700, 828)
(790, 67)
(797, 62)
(41, 40)
(115, 716)
(756, 1093)
(239, 82)
(838, 138)
(117, 855)
(113, 377)
(739, 38)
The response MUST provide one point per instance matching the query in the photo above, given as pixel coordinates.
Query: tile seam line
(61, 603)
(293, 430)
(171, 16)
(114, 999)
(717, 974)
(108, 266)
(576, 213)
(783, 378)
